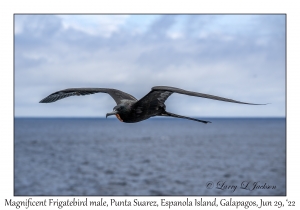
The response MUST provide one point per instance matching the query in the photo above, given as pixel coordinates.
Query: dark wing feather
(157, 96)
(190, 93)
(151, 102)
(117, 95)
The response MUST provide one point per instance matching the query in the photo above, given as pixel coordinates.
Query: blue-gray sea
(95, 156)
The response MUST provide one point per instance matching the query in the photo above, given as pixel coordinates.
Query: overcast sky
(241, 57)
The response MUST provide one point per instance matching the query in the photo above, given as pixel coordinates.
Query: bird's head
(118, 110)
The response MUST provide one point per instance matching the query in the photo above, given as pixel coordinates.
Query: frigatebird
(131, 110)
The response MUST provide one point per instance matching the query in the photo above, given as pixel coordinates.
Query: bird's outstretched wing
(159, 94)
(117, 95)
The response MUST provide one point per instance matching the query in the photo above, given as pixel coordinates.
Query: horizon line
(155, 117)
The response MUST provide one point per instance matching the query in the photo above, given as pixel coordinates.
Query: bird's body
(131, 110)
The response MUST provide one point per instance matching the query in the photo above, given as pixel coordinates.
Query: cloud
(162, 25)
(240, 57)
(102, 25)
(37, 25)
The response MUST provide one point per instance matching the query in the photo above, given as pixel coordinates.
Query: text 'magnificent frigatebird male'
(131, 110)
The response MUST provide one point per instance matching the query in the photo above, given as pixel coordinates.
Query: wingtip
(44, 101)
(256, 104)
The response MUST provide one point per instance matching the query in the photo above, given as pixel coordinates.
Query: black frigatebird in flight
(131, 110)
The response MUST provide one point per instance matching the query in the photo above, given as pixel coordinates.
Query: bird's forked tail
(168, 114)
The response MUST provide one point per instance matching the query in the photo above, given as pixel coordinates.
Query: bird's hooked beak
(111, 113)
(115, 113)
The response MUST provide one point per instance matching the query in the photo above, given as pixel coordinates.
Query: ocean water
(94, 156)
